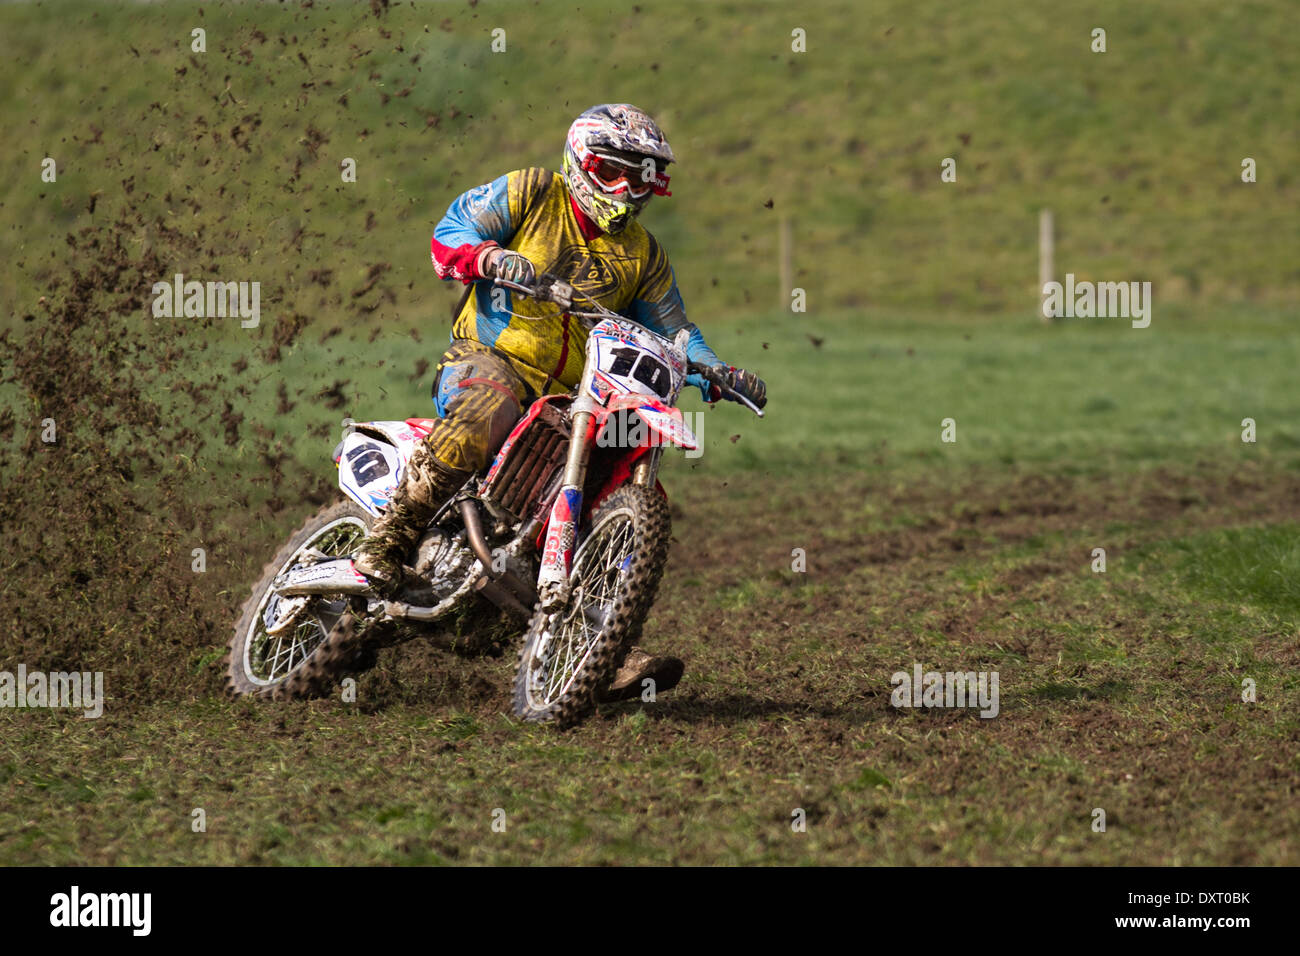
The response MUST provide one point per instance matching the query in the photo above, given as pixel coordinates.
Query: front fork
(566, 513)
(647, 467)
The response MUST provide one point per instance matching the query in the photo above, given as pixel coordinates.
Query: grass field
(816, 552)
(1120, 690)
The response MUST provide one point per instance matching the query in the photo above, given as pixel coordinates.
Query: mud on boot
(425, 485)
(638, 667)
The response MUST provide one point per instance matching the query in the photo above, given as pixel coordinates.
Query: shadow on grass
(734, 708)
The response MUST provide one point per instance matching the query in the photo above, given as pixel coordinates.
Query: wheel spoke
(596, 577)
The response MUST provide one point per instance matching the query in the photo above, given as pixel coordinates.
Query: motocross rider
(580, 225)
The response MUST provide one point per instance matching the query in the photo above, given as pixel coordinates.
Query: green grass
(1258, 566)
(1086, 397)
(1120, 690)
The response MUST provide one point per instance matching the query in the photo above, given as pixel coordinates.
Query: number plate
(629, 362)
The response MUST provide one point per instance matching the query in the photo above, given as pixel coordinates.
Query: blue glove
(703, 384)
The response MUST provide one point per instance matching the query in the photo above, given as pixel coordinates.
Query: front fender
(664, 424)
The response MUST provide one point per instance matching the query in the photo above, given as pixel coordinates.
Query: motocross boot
(426, 483)
(637, 667)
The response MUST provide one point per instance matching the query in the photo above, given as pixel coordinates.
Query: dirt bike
(567, 532)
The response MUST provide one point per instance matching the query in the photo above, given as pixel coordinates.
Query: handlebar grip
(706, 372)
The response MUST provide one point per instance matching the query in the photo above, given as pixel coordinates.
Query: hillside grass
(1137, 150)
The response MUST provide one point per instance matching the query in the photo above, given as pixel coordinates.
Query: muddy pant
(480, 395)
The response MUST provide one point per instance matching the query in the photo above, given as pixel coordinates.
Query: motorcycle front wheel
(570, 654)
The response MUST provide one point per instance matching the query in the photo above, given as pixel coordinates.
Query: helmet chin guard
(616, 132)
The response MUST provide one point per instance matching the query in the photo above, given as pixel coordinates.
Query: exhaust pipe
(502, 588)
(474, 528)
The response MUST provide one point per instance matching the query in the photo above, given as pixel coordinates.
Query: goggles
(615, 176)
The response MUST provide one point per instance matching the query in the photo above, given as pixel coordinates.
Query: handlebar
(549, 288)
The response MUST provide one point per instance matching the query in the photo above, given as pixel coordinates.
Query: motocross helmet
(614, 161)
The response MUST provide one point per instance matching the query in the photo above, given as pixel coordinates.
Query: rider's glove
(749, 385)
(746, 383)
(497, 263)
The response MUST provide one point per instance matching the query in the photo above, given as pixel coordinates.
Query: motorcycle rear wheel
(323, 645)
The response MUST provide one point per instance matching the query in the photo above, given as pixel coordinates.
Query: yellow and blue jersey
(529, 211)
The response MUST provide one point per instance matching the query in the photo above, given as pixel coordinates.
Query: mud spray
(101, 524)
